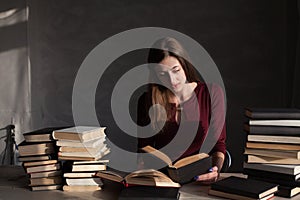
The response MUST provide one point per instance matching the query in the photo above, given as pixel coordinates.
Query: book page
(190, 159)
(158, 154)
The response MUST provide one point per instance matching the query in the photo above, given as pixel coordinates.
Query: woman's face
(171, 74)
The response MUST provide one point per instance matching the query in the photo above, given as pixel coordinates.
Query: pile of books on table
(81, 148)
(38, 153)
(273, 148)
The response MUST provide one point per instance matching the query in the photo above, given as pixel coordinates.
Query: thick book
(79, 174)
(43, 168)
(88, 167)
(272, 113)
(274, 139)
(37, 163)
(85, 152)
(53, 180)
(37, 158)
(33, 149)
(273, 153)
(236, 196)
(79, 133)
(150, 193)
(84, 181)
(81, 188)
(275, 180)
(45, 174)
(75, 143)
(267, 174)
(145, 177)
(78, 157)
(285, 169)
(184, 170)
(272, 130)
(287, 191)
(271, 160)
(245, 187)
(264, 145)
(46, 187)
(41, 135)
(275, 122)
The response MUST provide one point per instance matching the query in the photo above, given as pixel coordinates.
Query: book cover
(37, 163)
(37, 158)
(285, 169)
(287, 191)
(53, 180)
(267, 174)
(45, 187)
(41, 135)
(184, 170)
(271, 160)
(79, 133)
(236, 196)
(43, 168)
(245, 187)
(275, 122)
(273, 153)
(75, 143)
(33, 149)
(148, 192)
(45, 174)
(272, 113)
(272, 130)
(276, 180)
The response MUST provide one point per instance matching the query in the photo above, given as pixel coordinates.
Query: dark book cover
(276, 180)
(272, 130)
(287, 191)
(267, 174)
(148, 192)
(245, 187)
(187, 173)
(34, 136)
(272, 113)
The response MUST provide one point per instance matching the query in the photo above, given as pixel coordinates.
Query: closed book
(46, 187)
(45, 174)
(83, 157)
(265, 145)
(36, 158)
(245, 187)
(85, 153)
(273, 153)
(275, 122)
(37, 163)
(79, 133)
(54, 180)
(271, 160)
(79, 174)
(81, 188)
(33, 149)
(285, 169)
(43, 168)
(41, 135)
(87, 167)
(184, 170)
(267, 174)
(76, 143)
(84, 181)
(273, 139)
(272, 113)
(150, 193)
(272, 130)
(236, 196)
(276, 180)
(287, 191)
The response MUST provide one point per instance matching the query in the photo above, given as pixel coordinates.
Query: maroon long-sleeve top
(205, 110)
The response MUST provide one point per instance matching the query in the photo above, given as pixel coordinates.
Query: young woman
(183, 98)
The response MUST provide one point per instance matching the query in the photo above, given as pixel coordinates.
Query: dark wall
(249, 40)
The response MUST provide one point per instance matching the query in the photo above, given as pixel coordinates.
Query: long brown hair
(159, 94)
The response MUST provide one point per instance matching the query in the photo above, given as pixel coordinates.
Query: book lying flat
(276, 180)
(76, 143)
(46, 187)
(54, 180)
(83, 158)
(273, 153)
(236, 196)
(37, 158)
(33, 149)
(245, 187)
(278, 122)
(264, 145)
(271, 160)
(145, 177)
(285, 169)
(84, 181)
(148, 192)
(85, 167)
(37, 163)
(274, 139)
(272, 113)
(267, 174)
(81, 188)
(287, 191)
(41, 135)
(272, 130)
(79, 174)
(183, 170)
(45, 174)
(79, 133)
(43, 168)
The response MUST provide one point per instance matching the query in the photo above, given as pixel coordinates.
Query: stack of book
(38, 154)
(273, 148)
(81, 176)
(82, 147)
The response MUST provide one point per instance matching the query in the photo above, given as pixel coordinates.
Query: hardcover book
(271, 160)
(41, 135)
(273, 153)
(272, 113)
(150, 193)
(274, 139)
(267, 174)
(245, 187)
(276, 180)
(285, 169)
(287, 191)
(265, 145)
(45, 187)
(284, 122)
(145, 177)
(272, 130)
(184, 170)
(81, 188)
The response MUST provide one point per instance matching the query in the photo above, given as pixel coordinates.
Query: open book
(145, 177)
(185, 169)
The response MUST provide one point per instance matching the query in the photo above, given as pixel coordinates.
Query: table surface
(13, 185)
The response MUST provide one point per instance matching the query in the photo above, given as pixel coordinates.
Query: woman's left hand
(209, 177)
